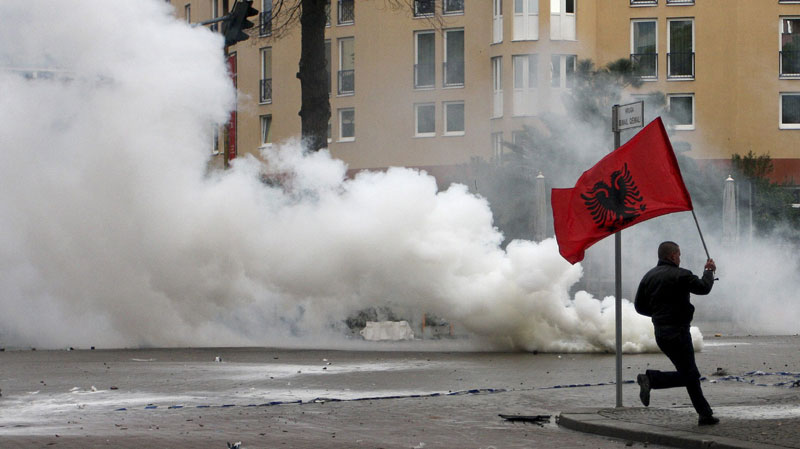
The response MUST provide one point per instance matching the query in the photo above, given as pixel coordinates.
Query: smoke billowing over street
(114, 233)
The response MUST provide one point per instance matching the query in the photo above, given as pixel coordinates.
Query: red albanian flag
(636, 182)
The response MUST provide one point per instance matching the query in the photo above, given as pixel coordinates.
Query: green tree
(771, 201)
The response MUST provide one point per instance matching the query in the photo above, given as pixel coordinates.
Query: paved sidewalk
(678, 427)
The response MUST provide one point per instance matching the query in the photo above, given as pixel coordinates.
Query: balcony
(265, 23)
(680, 65)
(790, 64)
(454, 74)
(644, 2)
(347, 12)
(265, 91)
(424, 76)
(680, 2)
(645, 65)
(347, 82)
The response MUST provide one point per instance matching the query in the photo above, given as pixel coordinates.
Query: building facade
(437, 83)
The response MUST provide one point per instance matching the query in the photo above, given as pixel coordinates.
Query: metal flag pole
(701, 234)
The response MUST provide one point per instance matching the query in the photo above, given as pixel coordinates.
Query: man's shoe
(644, 388)
(707, 421)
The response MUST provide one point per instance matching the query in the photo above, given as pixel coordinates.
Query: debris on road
(540, 420)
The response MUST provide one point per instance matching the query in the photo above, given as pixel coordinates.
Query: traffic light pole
(211, 21)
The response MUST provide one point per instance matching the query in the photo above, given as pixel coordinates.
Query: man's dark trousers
(676, 343)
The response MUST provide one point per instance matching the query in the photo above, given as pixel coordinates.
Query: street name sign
(627, 116)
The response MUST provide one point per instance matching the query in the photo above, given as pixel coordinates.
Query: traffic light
(234, 26)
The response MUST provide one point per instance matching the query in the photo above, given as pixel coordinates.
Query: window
(562, 71)
(681, 108)
(497, 21)
(454, 57)
(454, 118)
(790, 111)
(265, 84)
(525, 81)
(328, 13)
(526, 20)
(790, 47)
(519, 139)
(347, 125)
(423, 8)
(497, 147)
(347, 62)
(265, 19)
(328, 63)
(453, 6)
(497, 86)
(643, 48)
(215, 143)
(425, 119)
(347, 12)
(266, 130)
(187, 13)
(424, 65)
(562, 20)
(680, 2)
(680, 59)
(644, 2)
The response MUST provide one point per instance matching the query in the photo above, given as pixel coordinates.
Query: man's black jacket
(666, 289)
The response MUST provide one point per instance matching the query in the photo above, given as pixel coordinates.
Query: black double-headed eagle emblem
(615, 205)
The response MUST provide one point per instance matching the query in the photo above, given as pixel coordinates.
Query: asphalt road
(382, 398)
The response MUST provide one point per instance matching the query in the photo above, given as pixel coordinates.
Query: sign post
(622, 117)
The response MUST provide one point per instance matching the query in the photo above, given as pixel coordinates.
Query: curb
(590, 421)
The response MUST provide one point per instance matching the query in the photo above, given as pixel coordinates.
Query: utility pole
(234, 25)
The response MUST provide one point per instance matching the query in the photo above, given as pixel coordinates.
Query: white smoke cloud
(112, 233)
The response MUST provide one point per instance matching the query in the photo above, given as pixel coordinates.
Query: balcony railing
(265, 91)
(645, 65)
(265, 23)
(680, 65)
(347, 82)
(790, 64)
(424, 75)
(643, 2)
(347, 12)
(454, 73)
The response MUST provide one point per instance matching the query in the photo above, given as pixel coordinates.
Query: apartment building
(440, 82)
